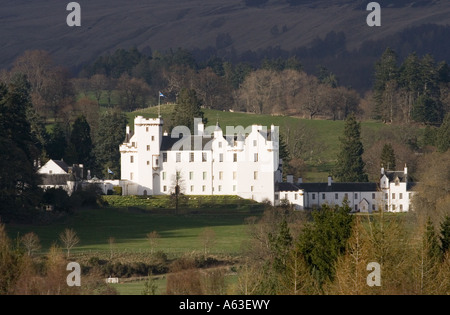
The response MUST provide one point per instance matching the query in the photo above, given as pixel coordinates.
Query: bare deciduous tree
(31, 243)
(153, 240)
(98, 84)
(208, 239)
(69, 239)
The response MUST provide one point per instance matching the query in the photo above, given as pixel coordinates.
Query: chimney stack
(330, 180)
(290, 179)
(300, 180)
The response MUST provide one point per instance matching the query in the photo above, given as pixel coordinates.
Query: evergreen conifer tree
(388, 157)
(350, 165)
(188, 107)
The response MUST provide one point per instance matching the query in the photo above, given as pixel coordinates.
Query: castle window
(204, 175)
(345, 196)
(131, 176)
(255, 143)
(386, 196)
(191, 175)
(191, 157)
(393, 207)
(295, 196)
(313, 196)
(235, 157)
(178, 157)
(255, 157)
(153, 138)
(221, 157)
(373, 195)
(255, 175)
(393, 195)
(164, 175)
(148, 148)
(220, 175)
(164, 188)
(131, 159)
(373, 207)
(220, 188)
(220, 144)
(323, 196)
(204, 157)
(336, 196)
(234, 187)
(146, 129)
(203, 188)
(234, 175)
(192, 188)
(148, 162)
(164, 157)
(400, 196)
(356, 196)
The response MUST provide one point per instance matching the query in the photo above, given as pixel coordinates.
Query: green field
(129, 227)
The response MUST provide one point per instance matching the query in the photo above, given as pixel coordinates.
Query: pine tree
(350, 165)
(18, 151)
(386, 70)
(388, 157)
(80, 146)
(188, 108)
(443, 135)
(109, 136)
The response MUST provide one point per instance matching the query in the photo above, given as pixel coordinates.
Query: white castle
(243, 162)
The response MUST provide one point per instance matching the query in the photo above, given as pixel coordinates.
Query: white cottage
(57, 174)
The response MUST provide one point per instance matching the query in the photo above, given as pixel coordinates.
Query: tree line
(326, 251)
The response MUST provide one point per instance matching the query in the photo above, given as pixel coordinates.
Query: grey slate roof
(62, 164)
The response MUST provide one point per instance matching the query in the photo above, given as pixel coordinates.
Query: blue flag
(110, 172)
(161, 95)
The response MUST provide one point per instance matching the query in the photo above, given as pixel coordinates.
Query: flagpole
(159, 105)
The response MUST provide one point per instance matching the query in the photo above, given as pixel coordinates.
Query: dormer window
(397, 182)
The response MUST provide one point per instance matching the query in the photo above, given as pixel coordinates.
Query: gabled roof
(392, 175)
(62, 165)
(287, 187)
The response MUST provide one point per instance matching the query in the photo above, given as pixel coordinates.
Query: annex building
(393, 193)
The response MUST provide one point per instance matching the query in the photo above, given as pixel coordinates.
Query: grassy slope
(179, 234)
(325, 132)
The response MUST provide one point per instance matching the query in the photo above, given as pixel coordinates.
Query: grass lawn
(179, 233)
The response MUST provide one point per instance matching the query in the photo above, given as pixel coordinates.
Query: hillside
(318, 139)
(160, 25)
